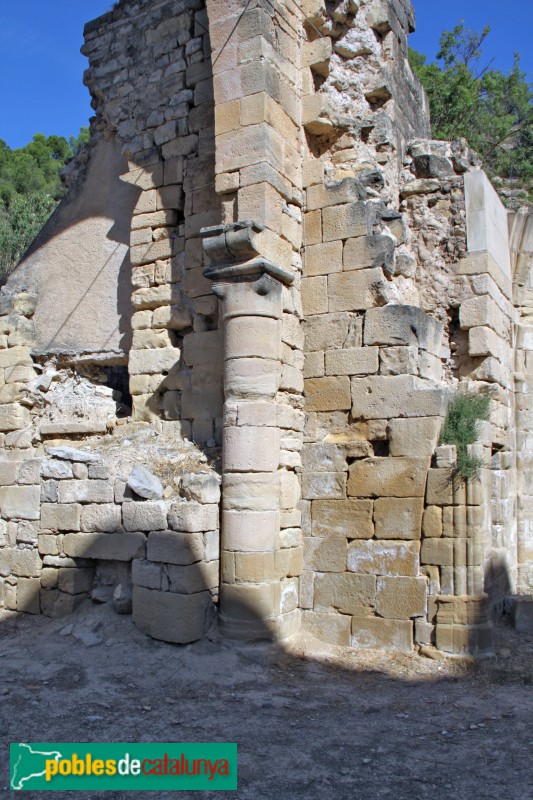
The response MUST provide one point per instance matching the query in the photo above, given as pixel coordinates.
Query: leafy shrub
(465, 411)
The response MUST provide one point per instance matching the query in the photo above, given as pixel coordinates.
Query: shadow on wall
(497, 585)
(162, 578)
(79, 264)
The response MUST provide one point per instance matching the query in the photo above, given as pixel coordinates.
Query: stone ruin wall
(311, 277)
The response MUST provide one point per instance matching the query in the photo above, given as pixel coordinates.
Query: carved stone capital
(248, 283)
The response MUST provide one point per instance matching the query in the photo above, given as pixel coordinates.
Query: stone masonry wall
(66, 521)
(312, 279)
(150, 77)
(70, 525)
(521, 237)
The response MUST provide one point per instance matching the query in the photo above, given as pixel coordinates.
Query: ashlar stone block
(250, 449)
(323, 259)
(357, 290)
(252, 378)
(483, 311)
(249, 337)
(175, 547)
(345, 221)
(250, 531)
(172, 617)
(153, 362)
(28, 595)
(323, 457)
(398, 518)
(20, 502)
(315, 295)
(403, 325)
(346, 593)
(444, 488)
(352, 361)
(317, 55)
(316, 115)
(384, 558)
(325, 555)
(85, 491)
(385, 397)
(327, 394)
(317, 485)
(387, 477)
(332, 628)
(192, 578)
(61, 517)
(144, 516)
(382, 634)
(101, 518)
(146, 573)
(432, 522)
(438, 551)
(415, 437)
(191, 517)
(350, 518)
(23, 563)
(105, 546)
(401, 598)
(13, 417)
(250, 492)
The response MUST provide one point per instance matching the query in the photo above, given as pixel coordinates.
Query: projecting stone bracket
(248, 283)
(234, 253)
(233, 242)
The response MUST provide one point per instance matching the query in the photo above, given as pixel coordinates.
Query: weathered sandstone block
(382, 634)
(384, 558)
(398, 518)
(144, 516)
(85, 491)
(403, 325)
(350, 518)
(174, 547)
(325, 555)
(387, 477)
(327, 394)
(172, 617)
(101, 518)
(383, 397)
(347, 593)
(401, 598)
(59, 517)
(105, 546)
(20, 502)
(190, 517)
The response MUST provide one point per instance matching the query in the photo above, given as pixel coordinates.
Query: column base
(245, 629)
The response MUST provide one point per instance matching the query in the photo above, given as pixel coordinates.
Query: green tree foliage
(19, 224)
(30, 188)
(491, 109)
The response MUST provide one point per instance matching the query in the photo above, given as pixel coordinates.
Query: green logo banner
(130, 767)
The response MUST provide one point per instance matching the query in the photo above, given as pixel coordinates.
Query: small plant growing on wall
(465, 411)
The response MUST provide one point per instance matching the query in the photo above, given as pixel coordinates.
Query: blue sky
(41, 67)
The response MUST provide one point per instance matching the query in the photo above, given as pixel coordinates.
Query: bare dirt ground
(312, 722)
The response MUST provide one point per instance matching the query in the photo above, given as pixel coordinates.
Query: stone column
(252, 565)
